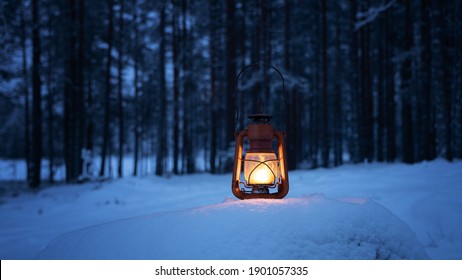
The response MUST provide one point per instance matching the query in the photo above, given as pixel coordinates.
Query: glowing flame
(260, 168)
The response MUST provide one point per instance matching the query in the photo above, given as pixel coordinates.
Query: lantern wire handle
(258, 64)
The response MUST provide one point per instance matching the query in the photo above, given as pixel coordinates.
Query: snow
(298, 228)
(362, 211)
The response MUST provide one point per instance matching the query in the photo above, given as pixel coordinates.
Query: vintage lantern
(265, 170)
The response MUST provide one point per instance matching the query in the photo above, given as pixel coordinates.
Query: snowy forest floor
(426, 196)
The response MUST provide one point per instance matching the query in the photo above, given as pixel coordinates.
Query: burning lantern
(265, 170)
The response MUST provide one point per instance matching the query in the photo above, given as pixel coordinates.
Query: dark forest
(155, 82)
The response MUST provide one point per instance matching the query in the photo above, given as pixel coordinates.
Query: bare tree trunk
(161, 141)
(135, 85)
(119, 91)
(36, 99)
(338, 125)
(26, 93)
(354, 145)
(380, 92)
(74, 105)
(69, 93)
(446, 42)
(266, 43)
(50, 102)
(428, 129)
(213, 109)
(390, 89)
(188, 160)
(80, 98)
(406, 111)
(325, 108)
(107, 92)
(185, 121)
(176, 92)
(243, 34)
(230, 69)
(291, 108)
(90, 125)
(366, 119)
(315, 100)
(287, 17)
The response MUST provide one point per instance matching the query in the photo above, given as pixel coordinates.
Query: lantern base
(260, 191)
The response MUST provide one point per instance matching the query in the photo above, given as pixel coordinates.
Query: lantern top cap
(260, 118)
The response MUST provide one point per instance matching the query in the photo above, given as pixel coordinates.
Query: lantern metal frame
(261, 135)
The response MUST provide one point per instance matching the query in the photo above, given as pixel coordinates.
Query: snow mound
(311, 227)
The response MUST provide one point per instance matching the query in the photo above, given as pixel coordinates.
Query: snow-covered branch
(372, 13)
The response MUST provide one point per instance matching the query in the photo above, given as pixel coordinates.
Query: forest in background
(371, 80)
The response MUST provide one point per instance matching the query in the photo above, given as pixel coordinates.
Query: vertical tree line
(149, 87)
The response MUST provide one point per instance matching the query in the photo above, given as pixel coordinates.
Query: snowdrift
(311, 227)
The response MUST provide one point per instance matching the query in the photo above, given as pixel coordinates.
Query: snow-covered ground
(312, 227)
(354, 211)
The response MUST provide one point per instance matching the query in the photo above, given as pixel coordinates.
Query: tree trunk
(266, 43)
(291, 110)
(188, 160)
(176, 92)
(380, 94)
(390, 89)
(366, 120)
(338, 124)
(74, 105)
(135, 85)
(89, 124)
(119, 91)
(90, 127)
(428, 129)
(287, 17)
(80, 96)
(26, 94)
(69, 93)
(230, 69)
(354, 145)
(325, 109)
(406, 111)
(107, 91)
(446, 43)
(161, 141)
(50, 103)
(36, 99)
(213, 109)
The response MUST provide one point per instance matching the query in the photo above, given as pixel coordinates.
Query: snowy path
(427, 197)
